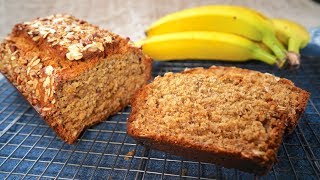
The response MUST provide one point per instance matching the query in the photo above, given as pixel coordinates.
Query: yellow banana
(222, 18)
(293, 35)
(207, 45)
(264, 47)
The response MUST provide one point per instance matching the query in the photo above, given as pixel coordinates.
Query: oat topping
(48, 70)
(75, 51)
(276, 78)
(46, 109)
(75, 35)
(48, 84)
(29, 76)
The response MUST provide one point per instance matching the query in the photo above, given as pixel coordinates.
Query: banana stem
(276, 48)
(289, 60)
(294, 45)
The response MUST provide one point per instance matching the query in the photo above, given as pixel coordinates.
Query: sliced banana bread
(72, 72)
(229, 116)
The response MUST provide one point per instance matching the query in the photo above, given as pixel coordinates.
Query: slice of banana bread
(229, 116)
(73, 73)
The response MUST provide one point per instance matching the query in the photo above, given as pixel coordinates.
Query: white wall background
(131, 17)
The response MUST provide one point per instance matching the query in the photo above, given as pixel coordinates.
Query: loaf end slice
(229, 116)
(73, 73)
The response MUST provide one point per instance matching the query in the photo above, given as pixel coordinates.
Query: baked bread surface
(72, 72)
(229, 116)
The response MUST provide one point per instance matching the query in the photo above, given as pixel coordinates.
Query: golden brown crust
(70, 68)
(76, 38)
(41, 56)
(229, 158)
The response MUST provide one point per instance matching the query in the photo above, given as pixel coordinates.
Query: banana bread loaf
(73, 73)
(229, 116)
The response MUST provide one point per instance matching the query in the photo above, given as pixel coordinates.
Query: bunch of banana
(218, 32)
(292, 35)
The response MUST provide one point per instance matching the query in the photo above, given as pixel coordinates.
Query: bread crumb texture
(227, 110)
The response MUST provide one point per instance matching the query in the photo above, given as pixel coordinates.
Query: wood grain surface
(131, 17)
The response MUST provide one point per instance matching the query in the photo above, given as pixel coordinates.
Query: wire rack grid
(29, 149)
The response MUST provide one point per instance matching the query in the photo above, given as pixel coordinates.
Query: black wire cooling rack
(30, 149)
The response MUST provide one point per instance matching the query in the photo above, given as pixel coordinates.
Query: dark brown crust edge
(225, 159)
(230, 160)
